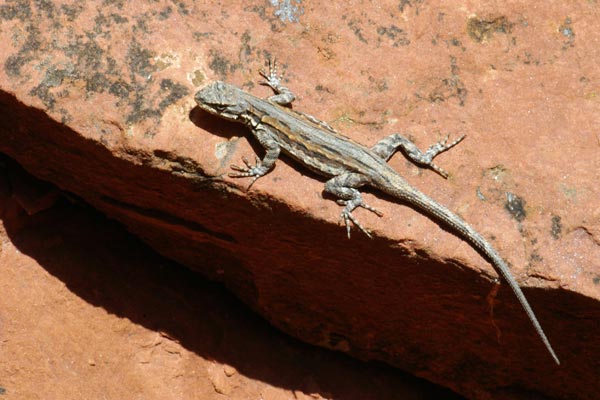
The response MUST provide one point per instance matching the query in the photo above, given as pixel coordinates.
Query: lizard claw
(372, 209)
(248, 170)
(347, 217)
(351, 205)
(271, 78)
(254, 171)
(438, 148)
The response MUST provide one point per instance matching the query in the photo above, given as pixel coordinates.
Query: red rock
(88, 311)
(519, 81)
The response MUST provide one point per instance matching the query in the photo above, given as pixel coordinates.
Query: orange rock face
(98, 99)
(88, 311)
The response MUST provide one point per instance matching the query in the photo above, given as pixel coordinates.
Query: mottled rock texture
(97, 98)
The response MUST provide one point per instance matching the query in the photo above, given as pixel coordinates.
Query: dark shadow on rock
(108, 267)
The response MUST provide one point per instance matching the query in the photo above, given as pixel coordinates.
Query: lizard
(348, 164)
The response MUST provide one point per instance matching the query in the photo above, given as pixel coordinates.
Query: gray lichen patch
(60, 49)
(556, 230)
(515, 205)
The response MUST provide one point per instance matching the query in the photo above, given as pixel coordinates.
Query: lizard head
(222, 99)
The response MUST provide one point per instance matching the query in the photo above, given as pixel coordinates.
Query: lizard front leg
(344, 186)
(386, 147)
(283, 95)
(264, 166)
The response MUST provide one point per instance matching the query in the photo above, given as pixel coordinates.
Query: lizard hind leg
(344, 186)
(386, 147)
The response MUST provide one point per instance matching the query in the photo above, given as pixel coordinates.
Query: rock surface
(89, 312)
(98, 99)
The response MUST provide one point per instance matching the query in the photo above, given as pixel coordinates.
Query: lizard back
(324, 151)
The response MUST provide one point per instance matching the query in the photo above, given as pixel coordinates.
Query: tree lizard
(348, 164)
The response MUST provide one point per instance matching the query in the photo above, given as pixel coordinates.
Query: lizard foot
(272, 79)
(254, 171)
(347, 217)
(436, 149)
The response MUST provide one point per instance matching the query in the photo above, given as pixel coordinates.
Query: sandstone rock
(87, 311)
(98, 99)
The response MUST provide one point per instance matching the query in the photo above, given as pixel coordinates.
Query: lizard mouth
(224, 111)
(220, 110)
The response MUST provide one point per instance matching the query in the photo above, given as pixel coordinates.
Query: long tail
(431, 207)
